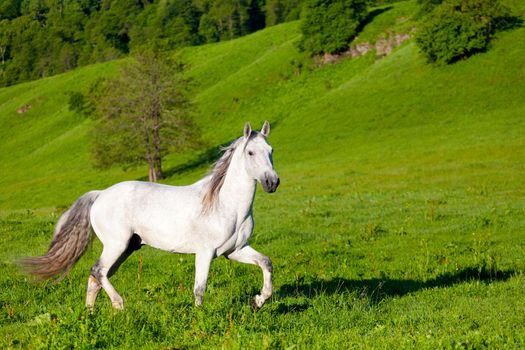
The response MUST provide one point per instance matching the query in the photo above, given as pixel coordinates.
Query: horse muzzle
(270, 182)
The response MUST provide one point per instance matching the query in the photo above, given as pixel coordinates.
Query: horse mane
(218, 174)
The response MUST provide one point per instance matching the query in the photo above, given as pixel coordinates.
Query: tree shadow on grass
(378, 289)
(508, 22)
(370, 17)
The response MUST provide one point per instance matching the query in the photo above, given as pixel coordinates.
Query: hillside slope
(345, 116)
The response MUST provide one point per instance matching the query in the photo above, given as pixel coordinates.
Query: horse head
(257, 156)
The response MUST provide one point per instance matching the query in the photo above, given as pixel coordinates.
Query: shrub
(329, 25)
(459, 28)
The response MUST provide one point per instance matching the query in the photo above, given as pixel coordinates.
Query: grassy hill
(399, 220)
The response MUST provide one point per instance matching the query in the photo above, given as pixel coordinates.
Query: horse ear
(265, 129)
(247, 130)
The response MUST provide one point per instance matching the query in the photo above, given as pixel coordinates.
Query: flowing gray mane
(218, 173)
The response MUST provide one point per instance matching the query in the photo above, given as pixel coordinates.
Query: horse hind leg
(105, 267)
(99, 278)
(93, 287)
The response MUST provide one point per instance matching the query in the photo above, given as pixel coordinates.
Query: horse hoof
(257, 302)
(118, 306)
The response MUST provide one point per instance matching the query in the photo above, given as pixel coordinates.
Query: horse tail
(70, 241)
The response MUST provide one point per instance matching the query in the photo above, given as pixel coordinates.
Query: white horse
(210, 218)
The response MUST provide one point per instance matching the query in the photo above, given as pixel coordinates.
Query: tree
(180, 23)
(256, 15)
(39, 38)
(10, 9)
(329, 25)
(459, 28)
(225, 20)
(274, 12)
(279, 11)
(143, 114)
(5, 41)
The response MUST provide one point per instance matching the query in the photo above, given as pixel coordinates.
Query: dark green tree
(225, 20)
(5, 42)
(10, 9)
(256, 18)
(23, 57)
(146, 28)
(459, 28)
(180, 23)
(328, 26)
(208, 29)
(275, 12)
(279, 11)
(39, 38)
(143, 114)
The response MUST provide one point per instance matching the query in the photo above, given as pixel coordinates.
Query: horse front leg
(248, 255)
(202, 268)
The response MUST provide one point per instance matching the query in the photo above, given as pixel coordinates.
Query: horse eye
(250, 153)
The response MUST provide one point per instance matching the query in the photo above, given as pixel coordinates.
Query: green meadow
(399, 221)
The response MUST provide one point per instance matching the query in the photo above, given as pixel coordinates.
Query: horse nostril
(278, 182)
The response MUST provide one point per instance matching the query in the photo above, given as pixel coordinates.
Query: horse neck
(238, 190)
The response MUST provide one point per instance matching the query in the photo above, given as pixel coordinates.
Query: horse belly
(192, 236)
(167, 234)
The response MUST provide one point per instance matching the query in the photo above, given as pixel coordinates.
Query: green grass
(398, 224)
